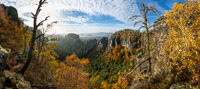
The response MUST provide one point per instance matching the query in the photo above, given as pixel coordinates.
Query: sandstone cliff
(125, 38)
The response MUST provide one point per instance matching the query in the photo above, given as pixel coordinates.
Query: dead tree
(34, 35)
(146, 9)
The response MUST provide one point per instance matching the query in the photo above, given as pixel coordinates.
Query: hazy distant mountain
(95, 35)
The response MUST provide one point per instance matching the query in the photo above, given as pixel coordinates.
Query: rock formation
(161, 79)
(73, 36)
(125, 38)
(3, 57)
(103, 43)
(13, 80)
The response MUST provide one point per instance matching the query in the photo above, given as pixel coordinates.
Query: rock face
(103, 43)
(158, 39)
(125, 38)
(11, 11)
(5, 8)
(183, 85)
(138, 59)
(16, 81)
(3, 57)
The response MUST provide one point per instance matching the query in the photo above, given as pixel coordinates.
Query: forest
(165, 55)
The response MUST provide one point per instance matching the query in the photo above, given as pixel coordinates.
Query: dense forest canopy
(71, 43)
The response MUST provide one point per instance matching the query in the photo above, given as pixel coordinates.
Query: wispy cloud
(121, 10)
(69, 12)
(78, 19)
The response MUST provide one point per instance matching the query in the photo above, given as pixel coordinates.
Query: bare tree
(34, 35)
(146, 9)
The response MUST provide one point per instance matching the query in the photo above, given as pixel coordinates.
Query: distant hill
(95, 35)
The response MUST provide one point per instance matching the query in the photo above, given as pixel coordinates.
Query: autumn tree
(70, 74)
(146, 9)
(183, 45)
(35, 36)
(10, 33)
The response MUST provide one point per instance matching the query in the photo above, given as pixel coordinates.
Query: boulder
(15, 80)
(3, 57)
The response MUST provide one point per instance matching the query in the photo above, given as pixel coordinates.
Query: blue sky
(88, 16)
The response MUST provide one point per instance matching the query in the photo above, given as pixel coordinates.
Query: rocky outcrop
(4, 8)
(103, 43)
(3, 57)
(11, 11)
(183, 85)
(137, 60)
(158, 39)
(14, 81)
(125, 38)
(73, 36)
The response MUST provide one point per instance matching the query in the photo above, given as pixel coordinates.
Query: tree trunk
(30, 53)
(147, 35)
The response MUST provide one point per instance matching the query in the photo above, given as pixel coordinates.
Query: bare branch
(41, 23)
(32, 14)
(152, 9)
(135, 17)
(138, 22)
(141, 27)
(46, 30)
(149, 22)
(39, 35)
(143, 6)
(150, 26)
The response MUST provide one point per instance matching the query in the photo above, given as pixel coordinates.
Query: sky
(88, 16)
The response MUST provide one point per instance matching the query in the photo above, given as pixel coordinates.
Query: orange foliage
(70, 74)
(120, 84)
(134, 49)
(10, 34)
(115, 53)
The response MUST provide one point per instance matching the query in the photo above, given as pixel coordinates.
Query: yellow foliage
(183, 38)
(105, 85)
(48, 57)
(94, 80)
(70, 74)
(84, 61)
(120, 84)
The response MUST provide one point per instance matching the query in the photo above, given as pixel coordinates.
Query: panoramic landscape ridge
(100, 44)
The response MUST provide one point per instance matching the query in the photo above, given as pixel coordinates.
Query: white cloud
(121, 10)
(88, 28)
(79, 19)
